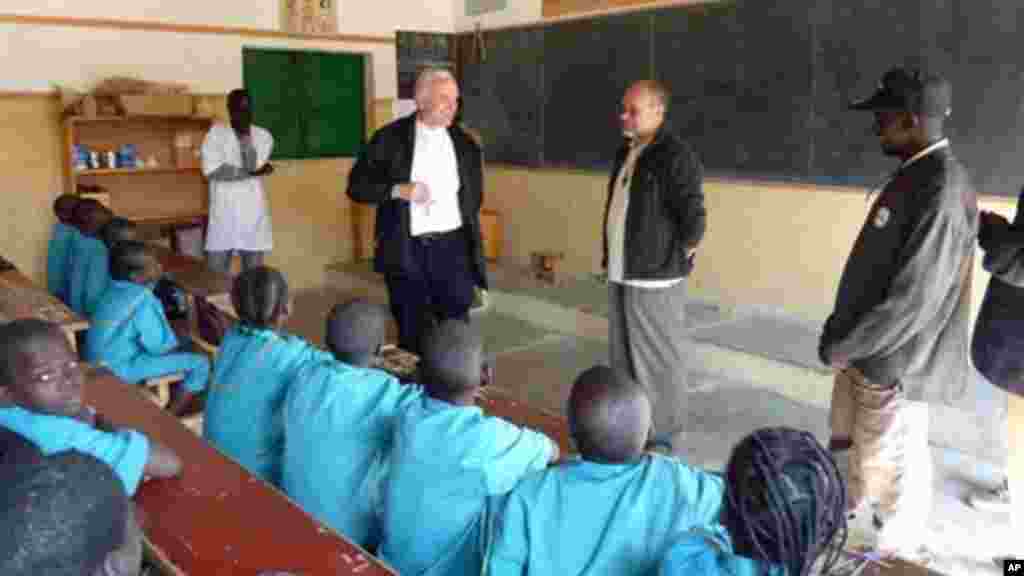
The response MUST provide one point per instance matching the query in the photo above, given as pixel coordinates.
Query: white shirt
(434, 164)
(239, 219)
(616, 227)
(944, 143)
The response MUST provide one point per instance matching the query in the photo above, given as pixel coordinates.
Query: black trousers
(438, 287)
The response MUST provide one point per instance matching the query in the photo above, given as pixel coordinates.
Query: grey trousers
(220, 261)
(648, 340)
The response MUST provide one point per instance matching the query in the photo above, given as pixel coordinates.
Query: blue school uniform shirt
(704, 554)
(338, 422)
(89, 274)
(58, 259)
(125, 451)
(584, 517)
(128, 328)
(250, 378)
(449, 466)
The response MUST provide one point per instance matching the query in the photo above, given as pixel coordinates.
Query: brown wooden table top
(216, 518)
(192, 274)
(20, 297)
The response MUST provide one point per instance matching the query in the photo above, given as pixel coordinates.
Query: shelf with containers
(145, 168)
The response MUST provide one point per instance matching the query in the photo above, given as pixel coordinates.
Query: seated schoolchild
(338, 418)
(615, 509)
(41, 400)
(58, 255)
(89, 269)
(256, 362)
(63, 515)
(784, 508)
(451, 464)
(130, 334)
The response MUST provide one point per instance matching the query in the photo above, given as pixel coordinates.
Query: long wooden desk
(20, 297)
(192, 274)
(202, 286)
(216, 518)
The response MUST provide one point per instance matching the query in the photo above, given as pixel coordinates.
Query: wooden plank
(193, 275)
(496, 402)
(563, 8)
(156, 26)
(20, 297)
(216, 518)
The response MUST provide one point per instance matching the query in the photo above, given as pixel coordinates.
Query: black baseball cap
(912, 90)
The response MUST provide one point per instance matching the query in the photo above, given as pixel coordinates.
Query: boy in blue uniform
(58, 256)
(338, 419)
(785, 506)
(130, 333)
(451, 464)
(63, 515)
(255, 364)
(41, 400)
(89, 271)
(615, 509)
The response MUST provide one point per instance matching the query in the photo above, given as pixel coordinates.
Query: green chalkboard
(313, 103)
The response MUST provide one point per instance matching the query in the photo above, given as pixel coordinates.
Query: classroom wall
(776, 246)
(516, 12)
(354, 16)
(310, 211)
(373, 17)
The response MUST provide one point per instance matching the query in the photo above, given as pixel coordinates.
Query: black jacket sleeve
(685, 196)
(370, 181)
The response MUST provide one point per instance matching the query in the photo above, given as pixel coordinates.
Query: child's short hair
(16, 337)
(609, 415)
(452, 359)
(356, 329)
(259, 295)
(127, 260)
(64, 205)
(62, 514)
(117, 230)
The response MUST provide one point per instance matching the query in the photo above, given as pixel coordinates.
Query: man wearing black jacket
(424, 174)
(898, 336)
(654, 218)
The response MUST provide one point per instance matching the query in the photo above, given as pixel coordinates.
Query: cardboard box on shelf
(156, 104)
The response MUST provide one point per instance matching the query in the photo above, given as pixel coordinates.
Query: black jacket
(997, 346)
(902, 309)
(386, 161)
(665, 215)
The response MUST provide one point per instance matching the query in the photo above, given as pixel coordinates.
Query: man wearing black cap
(898, 336)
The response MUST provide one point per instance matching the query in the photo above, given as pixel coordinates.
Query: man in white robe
(235, 158)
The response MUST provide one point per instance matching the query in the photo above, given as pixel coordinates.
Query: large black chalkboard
(587, 66)
(503, 94)
(741, 78)
(988, 93)
(761, 89)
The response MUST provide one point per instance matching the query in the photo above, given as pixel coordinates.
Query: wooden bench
(216, 518)
(20, 298)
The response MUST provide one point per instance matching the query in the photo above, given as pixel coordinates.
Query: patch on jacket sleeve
(882, 216)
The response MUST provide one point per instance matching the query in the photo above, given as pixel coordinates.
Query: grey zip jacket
(902, 310)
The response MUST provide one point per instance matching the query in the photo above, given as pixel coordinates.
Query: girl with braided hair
(784, 510)
(256, 362)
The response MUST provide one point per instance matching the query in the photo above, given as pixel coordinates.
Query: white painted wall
(40, 56)
(387, 16)
(263, 14)
(515, 13)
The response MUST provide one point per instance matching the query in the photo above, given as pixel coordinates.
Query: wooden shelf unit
(174, 191)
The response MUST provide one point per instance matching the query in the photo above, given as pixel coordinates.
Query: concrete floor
(745, 376)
